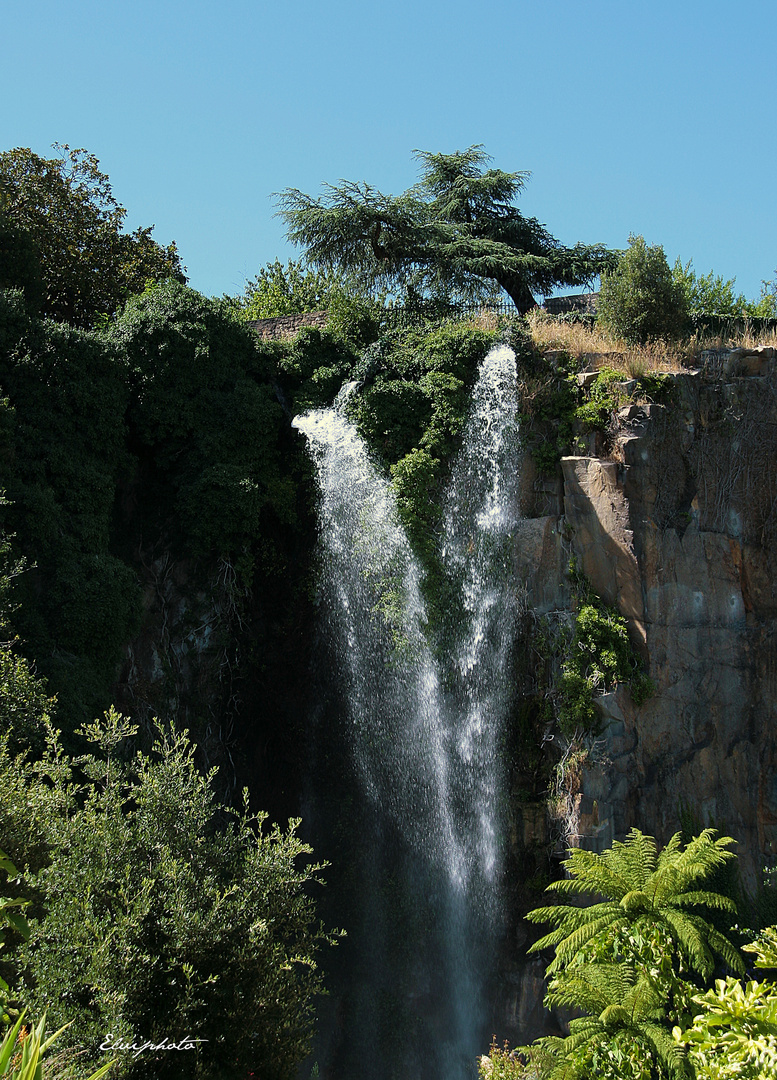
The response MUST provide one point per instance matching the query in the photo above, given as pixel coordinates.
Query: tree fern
(622, 1038)
(625, 959)
(640, 888)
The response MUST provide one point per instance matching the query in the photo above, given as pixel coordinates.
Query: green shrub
(314, 368)
(605, 395)
(160, 914)
(414, 478)
(641, 299)
(592, 656)
(416, 389)
(707, 294)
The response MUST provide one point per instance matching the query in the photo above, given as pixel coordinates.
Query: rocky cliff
(676, 528)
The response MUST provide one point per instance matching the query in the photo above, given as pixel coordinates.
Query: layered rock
(678, 531)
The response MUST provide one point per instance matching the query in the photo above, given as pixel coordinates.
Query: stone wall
(284, 327)
(585, 303)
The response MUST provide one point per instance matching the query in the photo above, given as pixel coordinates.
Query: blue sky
(654, 118)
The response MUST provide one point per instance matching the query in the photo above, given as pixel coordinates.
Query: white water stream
(423, 729)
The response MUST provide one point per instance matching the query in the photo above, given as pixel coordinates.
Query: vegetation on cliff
(634, 963)
(150, 471)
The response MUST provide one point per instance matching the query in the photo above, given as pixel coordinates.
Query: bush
(158, 913)
(708, 294)
(641, 299)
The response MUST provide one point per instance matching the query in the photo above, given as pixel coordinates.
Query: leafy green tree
(159, 914)
(708, 294)
(354, 315)
(61, 237)
(640, 298)
(290, 290)
(456, 233)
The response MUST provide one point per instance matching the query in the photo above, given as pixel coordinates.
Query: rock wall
(284, 327)
(678, 530)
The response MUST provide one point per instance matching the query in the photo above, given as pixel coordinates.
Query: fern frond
(634, 859)
(592, 987)
(568, 919)
(576, 993)
(554, 913)
(554, 938)
(708, 899)
(596, 880)
(702, 856)
(729, 953)
(690, 941)
(581, 1030)
(671, 1054)
(643, 1000)
(669, 849)
(566, 949)
(590, 873)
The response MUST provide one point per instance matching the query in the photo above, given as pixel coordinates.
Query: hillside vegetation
(157, 548)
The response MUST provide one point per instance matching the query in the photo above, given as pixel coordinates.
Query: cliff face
(678, 530)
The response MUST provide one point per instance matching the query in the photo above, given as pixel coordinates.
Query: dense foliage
(167, 425)
(61, 238)
(354, 316)
(457, 232)
(640, 298)
(735, 1034)
(632, 962)
(158, 914)
(65, 452)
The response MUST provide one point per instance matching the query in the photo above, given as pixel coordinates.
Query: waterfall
(422, 728)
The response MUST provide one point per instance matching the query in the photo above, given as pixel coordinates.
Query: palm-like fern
(625, 1012)
(642, 888)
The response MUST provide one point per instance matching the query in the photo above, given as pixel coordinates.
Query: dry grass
(596, 348)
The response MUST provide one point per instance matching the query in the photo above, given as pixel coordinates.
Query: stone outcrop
(284, 327)
(678, 530)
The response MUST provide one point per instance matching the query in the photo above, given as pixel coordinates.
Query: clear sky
(655, 118)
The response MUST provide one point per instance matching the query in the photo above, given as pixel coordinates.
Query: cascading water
(423, 727)
(480, 515)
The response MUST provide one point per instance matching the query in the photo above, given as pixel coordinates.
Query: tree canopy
(61, 238)
(457, 232)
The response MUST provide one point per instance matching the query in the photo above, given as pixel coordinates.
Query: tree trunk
(519, 292)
